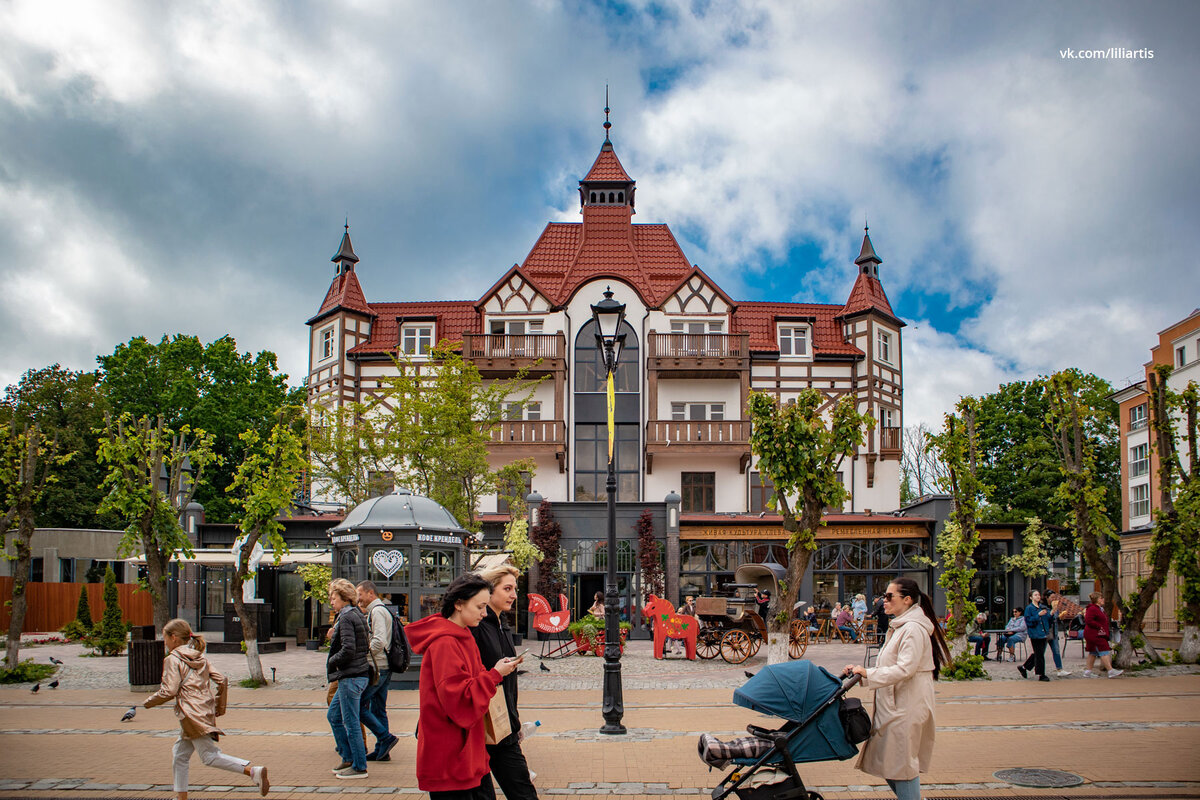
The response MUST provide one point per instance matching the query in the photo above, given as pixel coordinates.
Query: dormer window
(793, 340)
(417, 339)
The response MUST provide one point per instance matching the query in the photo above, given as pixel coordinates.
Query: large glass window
(437, 567)
(591, 461)
(590, 375)
(217, 581)
(698, 490)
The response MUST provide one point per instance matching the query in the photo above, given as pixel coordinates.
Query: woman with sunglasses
(902, 727)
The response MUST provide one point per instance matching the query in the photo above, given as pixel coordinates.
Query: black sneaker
(1024, 673)
(1043, 678)
(350, 773)
(382, 750)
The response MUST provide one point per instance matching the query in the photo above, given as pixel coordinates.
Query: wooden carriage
(731, 624)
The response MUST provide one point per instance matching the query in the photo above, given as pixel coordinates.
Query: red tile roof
(607, 167)
(758, 319)
(867, 294)
(452, 319)
(344, 292)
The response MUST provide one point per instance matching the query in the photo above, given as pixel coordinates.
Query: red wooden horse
(668, 624)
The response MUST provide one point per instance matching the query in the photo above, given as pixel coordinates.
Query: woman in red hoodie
(452, 762)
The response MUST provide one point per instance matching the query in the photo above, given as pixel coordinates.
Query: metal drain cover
(1038, 778)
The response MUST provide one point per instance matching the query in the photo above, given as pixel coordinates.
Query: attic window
(793, 340)
(417, 340)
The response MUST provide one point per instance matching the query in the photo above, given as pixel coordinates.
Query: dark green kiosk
(409, 546)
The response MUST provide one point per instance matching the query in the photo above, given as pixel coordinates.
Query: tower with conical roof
(343, 321)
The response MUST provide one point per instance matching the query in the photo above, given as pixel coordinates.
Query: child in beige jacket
(187, 679)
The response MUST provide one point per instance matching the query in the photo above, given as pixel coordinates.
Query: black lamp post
(609, 314)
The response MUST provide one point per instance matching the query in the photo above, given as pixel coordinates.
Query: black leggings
(1037, 659)
(510, 771)
(484, 791)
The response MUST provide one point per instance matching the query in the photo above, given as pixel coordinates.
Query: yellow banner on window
(611, 414)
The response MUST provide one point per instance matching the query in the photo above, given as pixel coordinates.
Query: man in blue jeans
(373, 708)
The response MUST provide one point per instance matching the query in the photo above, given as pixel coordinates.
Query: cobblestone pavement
(1134, 736)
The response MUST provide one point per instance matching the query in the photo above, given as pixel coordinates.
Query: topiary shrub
(965, 668)
(109, 638)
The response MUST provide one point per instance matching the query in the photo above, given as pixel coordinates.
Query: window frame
(703, 484)
(416, 328)
(1137, 416)
(883, 346)
(681, 411)
(791, 329)
(1139, 462)
(326, 342)
(1139, 500)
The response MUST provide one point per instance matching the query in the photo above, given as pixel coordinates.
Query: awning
(223, 557)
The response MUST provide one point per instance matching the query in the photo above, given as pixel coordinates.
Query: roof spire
(607, 124)
(345, 252)
(867, 261)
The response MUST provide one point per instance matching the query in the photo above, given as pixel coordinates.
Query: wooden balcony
(519, 437)
(889, 441)
(503, 355)
(695, 437)
(699, 355)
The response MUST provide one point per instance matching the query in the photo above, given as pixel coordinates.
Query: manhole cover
(1038, 778)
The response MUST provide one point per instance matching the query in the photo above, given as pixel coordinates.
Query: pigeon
(54, 685)
(749, 674)
(128, 715)
(55, 661)
(36, 686)
(543, 668)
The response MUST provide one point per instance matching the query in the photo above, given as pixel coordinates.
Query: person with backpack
(373, 705)
(187, 679)
(347, 664)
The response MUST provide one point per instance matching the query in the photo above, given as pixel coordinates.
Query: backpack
(399, 654)
(855, 720)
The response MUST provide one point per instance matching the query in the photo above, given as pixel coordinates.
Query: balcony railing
(698, 432)
(497, 345)
(1137, 424)
(889, 438)
(530, 432)
(699, 345)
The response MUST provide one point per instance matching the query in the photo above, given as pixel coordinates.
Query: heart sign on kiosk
(388, 562)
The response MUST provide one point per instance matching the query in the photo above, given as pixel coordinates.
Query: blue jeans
(373, 708)
(1053, 640)
(343, 719)
(982, 643)
(906, 790)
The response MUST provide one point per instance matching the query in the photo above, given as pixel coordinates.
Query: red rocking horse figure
(668, 624)
(548, 621)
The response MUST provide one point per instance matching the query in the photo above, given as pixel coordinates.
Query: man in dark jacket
(494, 638)
(347, 664)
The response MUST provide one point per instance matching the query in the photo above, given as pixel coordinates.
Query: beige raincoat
(187, 679)
(902, 727)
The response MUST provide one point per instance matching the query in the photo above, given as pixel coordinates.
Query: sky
(187, 167)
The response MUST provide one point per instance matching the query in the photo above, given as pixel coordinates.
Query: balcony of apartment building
(698, 355)
(503, 355)
(889, 441)
(698, 437)
(517, 438)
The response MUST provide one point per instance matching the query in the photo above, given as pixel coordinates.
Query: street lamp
(608, 315)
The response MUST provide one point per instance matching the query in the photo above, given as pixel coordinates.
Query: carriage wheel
(736, 647)
(708, 644)
(815, 796)
(798, 639)
(756, 641)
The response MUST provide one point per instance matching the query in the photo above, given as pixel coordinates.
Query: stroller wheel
(815, 796)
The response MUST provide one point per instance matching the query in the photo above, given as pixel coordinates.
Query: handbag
(496, 725)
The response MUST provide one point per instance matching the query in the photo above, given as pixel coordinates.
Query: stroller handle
(849, 681)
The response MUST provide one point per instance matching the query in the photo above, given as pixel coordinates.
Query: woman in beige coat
(187, 679)
(902, 727)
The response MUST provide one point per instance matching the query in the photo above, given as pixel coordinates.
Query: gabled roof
(451, 318)
(344, 293)
(868, 295)
(759, 319)
(607, 167)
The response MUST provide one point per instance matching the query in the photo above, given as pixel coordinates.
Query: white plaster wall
(731, 491)
(547, 480)
(699, 391)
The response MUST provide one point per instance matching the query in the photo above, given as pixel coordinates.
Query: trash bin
(146, 663)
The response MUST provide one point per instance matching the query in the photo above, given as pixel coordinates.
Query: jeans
(373, 708)
(1008, 640)
(906, 790)
(1053, 640)
(343, 716)
(511, 771)
(982, 643)
(210, 755)
(846, 629)
(1037, 660)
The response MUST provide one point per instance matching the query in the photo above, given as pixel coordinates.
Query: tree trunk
(158, 565)
(1189, 648)
(777, 647)
(958, 646)
(16, 621)
(249, 621)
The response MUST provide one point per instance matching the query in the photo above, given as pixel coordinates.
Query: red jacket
(1095, 628)
(455, 694)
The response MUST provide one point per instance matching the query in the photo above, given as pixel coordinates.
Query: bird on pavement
(129, 714)
(36, 686)
(543, 668)
(54, 660)
(54, 685)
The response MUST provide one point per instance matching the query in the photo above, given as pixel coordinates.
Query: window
(35, 570)
(531, 410)
(1139, 500)
(417, 340)
(887, 418)
(66, 570)
(793, 341)
(698, 491)
(515, 327)
(327, 343)
(697, 326)
(591, 461)
(1180, 356)
(1137, 417)
(217, 582)
(380, 483)
(761, 492)
(697, 411)
(1139, 460)
(883, 346)
(520, 491)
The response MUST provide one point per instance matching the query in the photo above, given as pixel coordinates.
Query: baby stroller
(822, 724)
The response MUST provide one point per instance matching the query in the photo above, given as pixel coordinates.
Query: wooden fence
(51, 605)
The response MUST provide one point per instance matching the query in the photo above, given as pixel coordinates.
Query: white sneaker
(1087, 673)
(259, 776)
(1062, 673)
(1112, 673)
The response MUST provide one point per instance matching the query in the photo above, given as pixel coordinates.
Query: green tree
(263, 487)
(957, 446)
(148, 488)
(210, 387)
(109, 637)
(650, 556)
(317, 578)
(510, 486)
(1034, 559)
(28, 461)
(348, 447)
(800, 453)
(83, 611)
(1185, 536)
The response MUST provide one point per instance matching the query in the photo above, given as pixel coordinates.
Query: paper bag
(496, 725)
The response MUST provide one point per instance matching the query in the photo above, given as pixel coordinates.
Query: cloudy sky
(186, 167)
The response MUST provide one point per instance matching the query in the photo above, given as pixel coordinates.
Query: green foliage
(83, 611)
(209, 387)
(1179, 521)
(74, 631)
(591, 626)
(510, 485)
(27, 672)
(348, 446)
(516, 542)
(965, 667)
(1034, 559)
(957, 448)
(649, 556)
(109, 637)
(546, 536)
(251, 683)
(800, 452)
(317, 578)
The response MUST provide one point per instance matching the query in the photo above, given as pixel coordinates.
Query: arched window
(620, 197)
(593, 197)
(612, 198)
(591, 428)
(589, 361)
